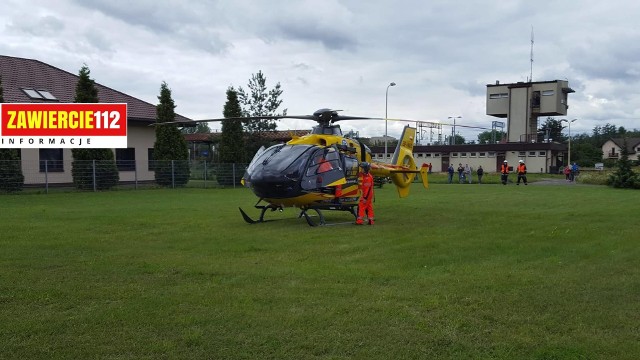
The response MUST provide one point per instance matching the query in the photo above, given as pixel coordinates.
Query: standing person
(429, 168)
(522, 172)
(460, 173)
(480, 172)
(567, 173)
(365, 182)
(504, 172)
(467, 172)
(574, 171)
(451, 171)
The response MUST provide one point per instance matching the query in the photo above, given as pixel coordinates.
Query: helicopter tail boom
(403, 169)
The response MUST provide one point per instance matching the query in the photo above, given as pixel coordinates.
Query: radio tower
(531, 57)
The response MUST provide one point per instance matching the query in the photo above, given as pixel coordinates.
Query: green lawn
(455, 272)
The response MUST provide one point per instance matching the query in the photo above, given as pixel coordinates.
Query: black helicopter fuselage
(300, 174)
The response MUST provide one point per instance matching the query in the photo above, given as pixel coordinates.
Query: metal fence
(96, 175)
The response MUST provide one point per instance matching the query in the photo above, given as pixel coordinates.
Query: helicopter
(319, 171)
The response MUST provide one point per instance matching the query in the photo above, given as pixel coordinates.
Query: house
(33, 81)
(611, 149)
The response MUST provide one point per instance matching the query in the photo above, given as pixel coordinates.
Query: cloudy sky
(342, 54)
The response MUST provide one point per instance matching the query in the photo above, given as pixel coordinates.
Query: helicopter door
(324, 169)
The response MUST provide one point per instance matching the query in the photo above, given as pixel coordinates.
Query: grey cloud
(45, 26)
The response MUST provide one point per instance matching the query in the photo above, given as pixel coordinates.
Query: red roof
(19, 73)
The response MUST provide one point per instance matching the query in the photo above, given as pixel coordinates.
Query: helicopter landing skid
(314, 216)
(263, 210)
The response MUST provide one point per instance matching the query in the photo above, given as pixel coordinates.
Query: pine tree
(106, 171)
(231, 149)
(260, 102)
(11, 177)
(624, 177)
(170, 151)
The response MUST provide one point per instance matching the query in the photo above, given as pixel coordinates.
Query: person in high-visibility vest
(522, 172)
(365, 205)
(504, 171)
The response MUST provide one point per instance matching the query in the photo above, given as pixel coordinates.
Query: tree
(259, 102)
(624, 177)
(11, 177)
(200, 128)
(231, 147)
(106, 173)
(551, 130)
(486, 137)
(170, 151)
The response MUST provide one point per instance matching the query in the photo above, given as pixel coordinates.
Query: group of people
(365, 181)
(521, 170)
(465, 174)
(570, 172)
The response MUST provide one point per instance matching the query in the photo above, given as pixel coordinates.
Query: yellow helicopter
(319, 171)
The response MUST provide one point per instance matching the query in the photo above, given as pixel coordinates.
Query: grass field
(455, 272)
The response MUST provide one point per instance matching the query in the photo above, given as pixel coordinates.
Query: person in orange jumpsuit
(365, 206)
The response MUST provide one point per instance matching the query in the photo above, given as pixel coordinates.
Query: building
(612, 148)
(32, 81)
(520, 104)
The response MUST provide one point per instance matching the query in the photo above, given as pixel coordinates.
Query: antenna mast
(531, 57)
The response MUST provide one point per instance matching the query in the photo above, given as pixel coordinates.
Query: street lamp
(569, 122)
(386, 106)
(453, 130)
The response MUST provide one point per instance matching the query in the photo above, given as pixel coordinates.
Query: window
(472, 154)
(428, 155)
(548, 92)
(498, 96)
(542, 153)
(492, 154)
(532, 153)
(463, 154)
(436, 155)
(482, 154)
(152, 163)
(47, 95)
(522, 153)
(51, 160)
(39, 94)
(420, 155)
(454, 155)
(33, 94)
(126, 159)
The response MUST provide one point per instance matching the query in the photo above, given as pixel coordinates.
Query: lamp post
(386, 107)
(569, 122)
(453, 130)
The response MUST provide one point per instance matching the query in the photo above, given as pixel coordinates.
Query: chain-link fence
(96, 175)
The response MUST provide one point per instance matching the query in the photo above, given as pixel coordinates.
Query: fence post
(135, 173)
(173, 175)
(234, 175)
(46, 177)
(94, 174)
(205, 174)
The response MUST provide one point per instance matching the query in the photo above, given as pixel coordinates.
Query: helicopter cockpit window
(324, 161)
(278, 157)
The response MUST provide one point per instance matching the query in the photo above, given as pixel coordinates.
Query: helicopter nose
(274, 186)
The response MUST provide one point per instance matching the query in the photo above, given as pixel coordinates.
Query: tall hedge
(170, 151)
(11, 177)
(82, 168)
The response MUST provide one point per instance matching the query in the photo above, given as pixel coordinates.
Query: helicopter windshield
(278, 157)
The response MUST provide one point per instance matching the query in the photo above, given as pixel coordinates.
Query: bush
(11, 177)
(82, 169)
